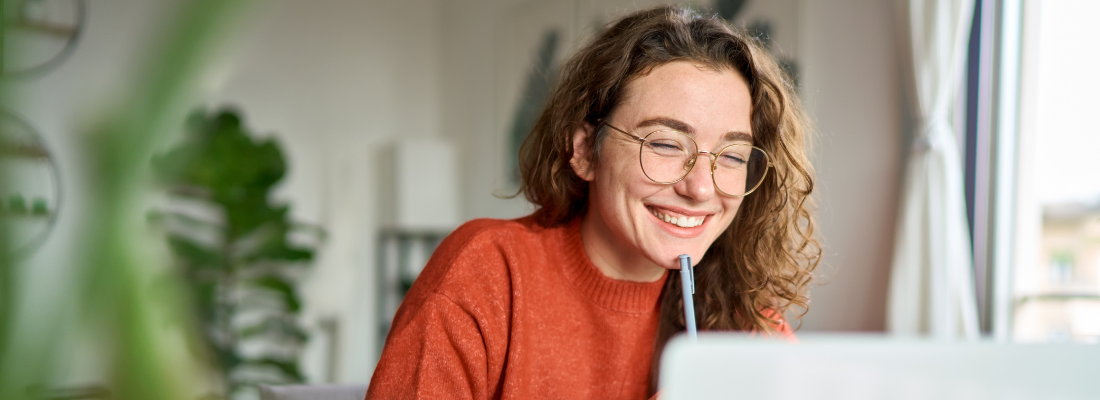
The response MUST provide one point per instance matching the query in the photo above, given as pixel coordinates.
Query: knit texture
(512, 310)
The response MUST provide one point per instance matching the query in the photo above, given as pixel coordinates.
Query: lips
(678, 219)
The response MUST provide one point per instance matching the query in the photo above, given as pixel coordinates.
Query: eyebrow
(732, 136)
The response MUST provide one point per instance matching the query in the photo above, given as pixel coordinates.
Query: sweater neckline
(613, 294)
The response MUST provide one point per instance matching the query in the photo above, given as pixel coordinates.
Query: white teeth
(683, 222)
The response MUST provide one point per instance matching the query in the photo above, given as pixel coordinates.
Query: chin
(669, 258)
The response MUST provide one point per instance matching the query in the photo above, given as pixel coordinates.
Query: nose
(697, 185)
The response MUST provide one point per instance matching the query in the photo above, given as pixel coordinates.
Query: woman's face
(624, 228)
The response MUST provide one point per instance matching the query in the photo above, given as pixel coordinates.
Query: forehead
(711, 102)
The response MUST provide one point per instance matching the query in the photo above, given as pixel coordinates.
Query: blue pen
(687, 279)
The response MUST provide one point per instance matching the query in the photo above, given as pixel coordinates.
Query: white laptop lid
(729, 366)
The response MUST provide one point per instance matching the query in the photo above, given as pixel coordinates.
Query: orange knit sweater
(512, 310)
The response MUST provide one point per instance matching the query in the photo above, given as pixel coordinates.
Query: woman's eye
(665, 147)
(732, 160)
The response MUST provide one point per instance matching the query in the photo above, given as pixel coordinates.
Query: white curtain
(932, 280)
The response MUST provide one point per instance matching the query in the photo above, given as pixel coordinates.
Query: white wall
(853, 92)
(469, 49)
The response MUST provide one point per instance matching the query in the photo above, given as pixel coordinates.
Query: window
(1061, 269)
(1055, 295)
(1033, 168)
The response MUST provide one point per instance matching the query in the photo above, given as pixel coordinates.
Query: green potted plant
(232, 243)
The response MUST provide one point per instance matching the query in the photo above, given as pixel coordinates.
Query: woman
(669, 134)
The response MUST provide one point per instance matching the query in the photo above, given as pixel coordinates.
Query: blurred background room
(209, 195)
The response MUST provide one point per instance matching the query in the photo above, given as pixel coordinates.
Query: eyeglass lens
(667, 156)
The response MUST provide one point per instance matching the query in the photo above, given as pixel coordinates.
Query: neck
(604, 249)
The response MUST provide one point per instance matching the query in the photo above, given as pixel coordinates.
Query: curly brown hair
(761, 266)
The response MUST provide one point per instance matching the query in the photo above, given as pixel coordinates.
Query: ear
(580, 162)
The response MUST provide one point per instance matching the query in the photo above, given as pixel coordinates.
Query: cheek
(623, 180)
(731, 207)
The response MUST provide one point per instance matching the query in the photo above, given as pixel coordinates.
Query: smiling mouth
(682, 221)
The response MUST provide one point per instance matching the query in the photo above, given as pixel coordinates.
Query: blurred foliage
(105, 297)
(234, 251)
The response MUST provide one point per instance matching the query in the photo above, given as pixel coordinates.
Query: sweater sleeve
(438, 353)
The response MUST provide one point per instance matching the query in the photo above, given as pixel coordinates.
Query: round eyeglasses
(668, 155)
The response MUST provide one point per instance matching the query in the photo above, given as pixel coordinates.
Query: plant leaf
(288, 367)
(275, 324)
(281, 286)
(197, 255)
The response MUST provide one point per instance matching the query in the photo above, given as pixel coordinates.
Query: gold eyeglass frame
(691, 162)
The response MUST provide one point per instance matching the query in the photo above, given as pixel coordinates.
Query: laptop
(856, 367)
